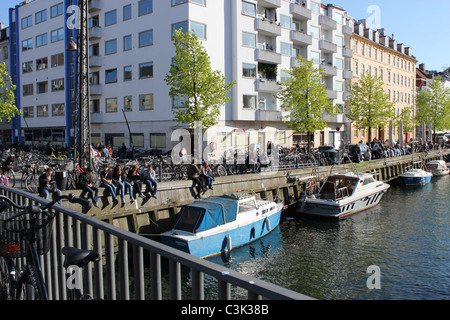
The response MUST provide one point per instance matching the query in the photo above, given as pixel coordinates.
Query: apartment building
(130, 47)
(5, 127)
(375, 52)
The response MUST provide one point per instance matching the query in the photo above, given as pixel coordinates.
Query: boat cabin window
(246, 206)
(367, 181)
(333, 184)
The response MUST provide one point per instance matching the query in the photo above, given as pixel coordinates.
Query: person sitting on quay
(106, 182)
(89, 185)
(135, 180)
(121, 184)
(47, 185)
(205, 174)
(149, 178)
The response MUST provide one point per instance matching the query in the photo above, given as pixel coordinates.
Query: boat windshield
(338, 187)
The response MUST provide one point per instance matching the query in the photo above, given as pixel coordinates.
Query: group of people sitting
(201, 177)
(115, 181)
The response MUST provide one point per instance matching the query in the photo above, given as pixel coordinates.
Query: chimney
(422, 67)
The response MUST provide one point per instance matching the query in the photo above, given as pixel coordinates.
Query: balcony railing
(347, 53)
(268, 56)
(266, 85)
(327, 46)
(299, 12)
(346, 30)
(95, 33)
(300, 38)
(94, 6)
(332, 94)
(327, 23)
(267, 27)
(347, 74)
(95, 61)
(328, 70)
(270, 4)
(268, 115)
(95, 90)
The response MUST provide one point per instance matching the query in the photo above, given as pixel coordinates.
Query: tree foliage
(192, 78)
(8, 107)
(304, 96)
(433, 105)
(369, 105)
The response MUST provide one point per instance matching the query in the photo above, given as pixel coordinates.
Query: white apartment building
(250, 42)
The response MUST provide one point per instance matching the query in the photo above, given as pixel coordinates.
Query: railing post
(138, 263)
(155, 274)
(123, 270)
(175, 280)
(197, 285)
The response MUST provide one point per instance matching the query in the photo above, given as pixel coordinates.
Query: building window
(146, 102)
(94, 78)
(58, 60)
(111, 76)
(110, 18)
(95, 106)
(127, 12)
(28, 112)
(58, 35)
(42, 63)
(127, 44)
(286, 49)
(146, 70)
(58, 110)
(56, 10)
(180, 25)
(249, 102)
(110, 47)
(339, 63)
(42, 111)
(249, 40)
(248, 9)
(57, 85)
(179, 101)
(27, 67)
(145, 38)
(145, 7)
(285, 22)
(41, 40)
(128, 103)
(314, 32)
(27, 22)
(127, 73)
(158, 140)
(42, 87)
(199, 29)
(27, 44)
(27, 90)
(41, 16)
(249, 70)
(111, 105)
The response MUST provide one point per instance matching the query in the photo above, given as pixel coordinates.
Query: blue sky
(421, 25)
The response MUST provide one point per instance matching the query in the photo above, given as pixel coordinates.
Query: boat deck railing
(134, 267)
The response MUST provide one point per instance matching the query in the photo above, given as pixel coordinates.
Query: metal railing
(137, 268)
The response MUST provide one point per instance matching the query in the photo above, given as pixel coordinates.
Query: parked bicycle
(27, 234)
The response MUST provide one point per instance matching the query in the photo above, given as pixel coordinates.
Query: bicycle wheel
(31, 183)
(5, 280)
(11, 177)
(221, 171)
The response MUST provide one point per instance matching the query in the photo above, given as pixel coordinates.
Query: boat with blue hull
(416, 177)
(219, 224)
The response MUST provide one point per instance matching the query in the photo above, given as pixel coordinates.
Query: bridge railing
(137, 268)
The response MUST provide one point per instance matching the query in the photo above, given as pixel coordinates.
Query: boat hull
(225, 238)
(438, 173)
(340, 210)
(416, 181)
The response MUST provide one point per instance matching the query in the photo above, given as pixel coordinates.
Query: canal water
(406, 238)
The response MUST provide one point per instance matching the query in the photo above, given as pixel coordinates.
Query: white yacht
(344, 194)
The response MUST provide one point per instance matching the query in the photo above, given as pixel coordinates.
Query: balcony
(266, 85)
(347, 53)
(95, 61)
(327, 23)
(267, 28)
(332, 94)
(95, 90)
(347, 74)
(300, 38)
(327, 46)
(94, 6)
(347, 31)
(299, 12)
(268, 115)
(328, 70)
(95, 33)
(346, 96)
(268, 56)
(270, 4)
(337, 118)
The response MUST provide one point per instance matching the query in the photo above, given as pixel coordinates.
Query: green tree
(8, 108)
(433, 105)
(192, 78)
(407, 119)
(369, 105)
(304, 96)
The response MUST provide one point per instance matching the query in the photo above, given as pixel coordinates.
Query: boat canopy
(204, 215)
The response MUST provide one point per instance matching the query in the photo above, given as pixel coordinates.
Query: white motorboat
(416, 177)
(221, 223)
(344, 194)
(438, 168)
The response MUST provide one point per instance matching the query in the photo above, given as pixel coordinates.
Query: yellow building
(381, 55)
